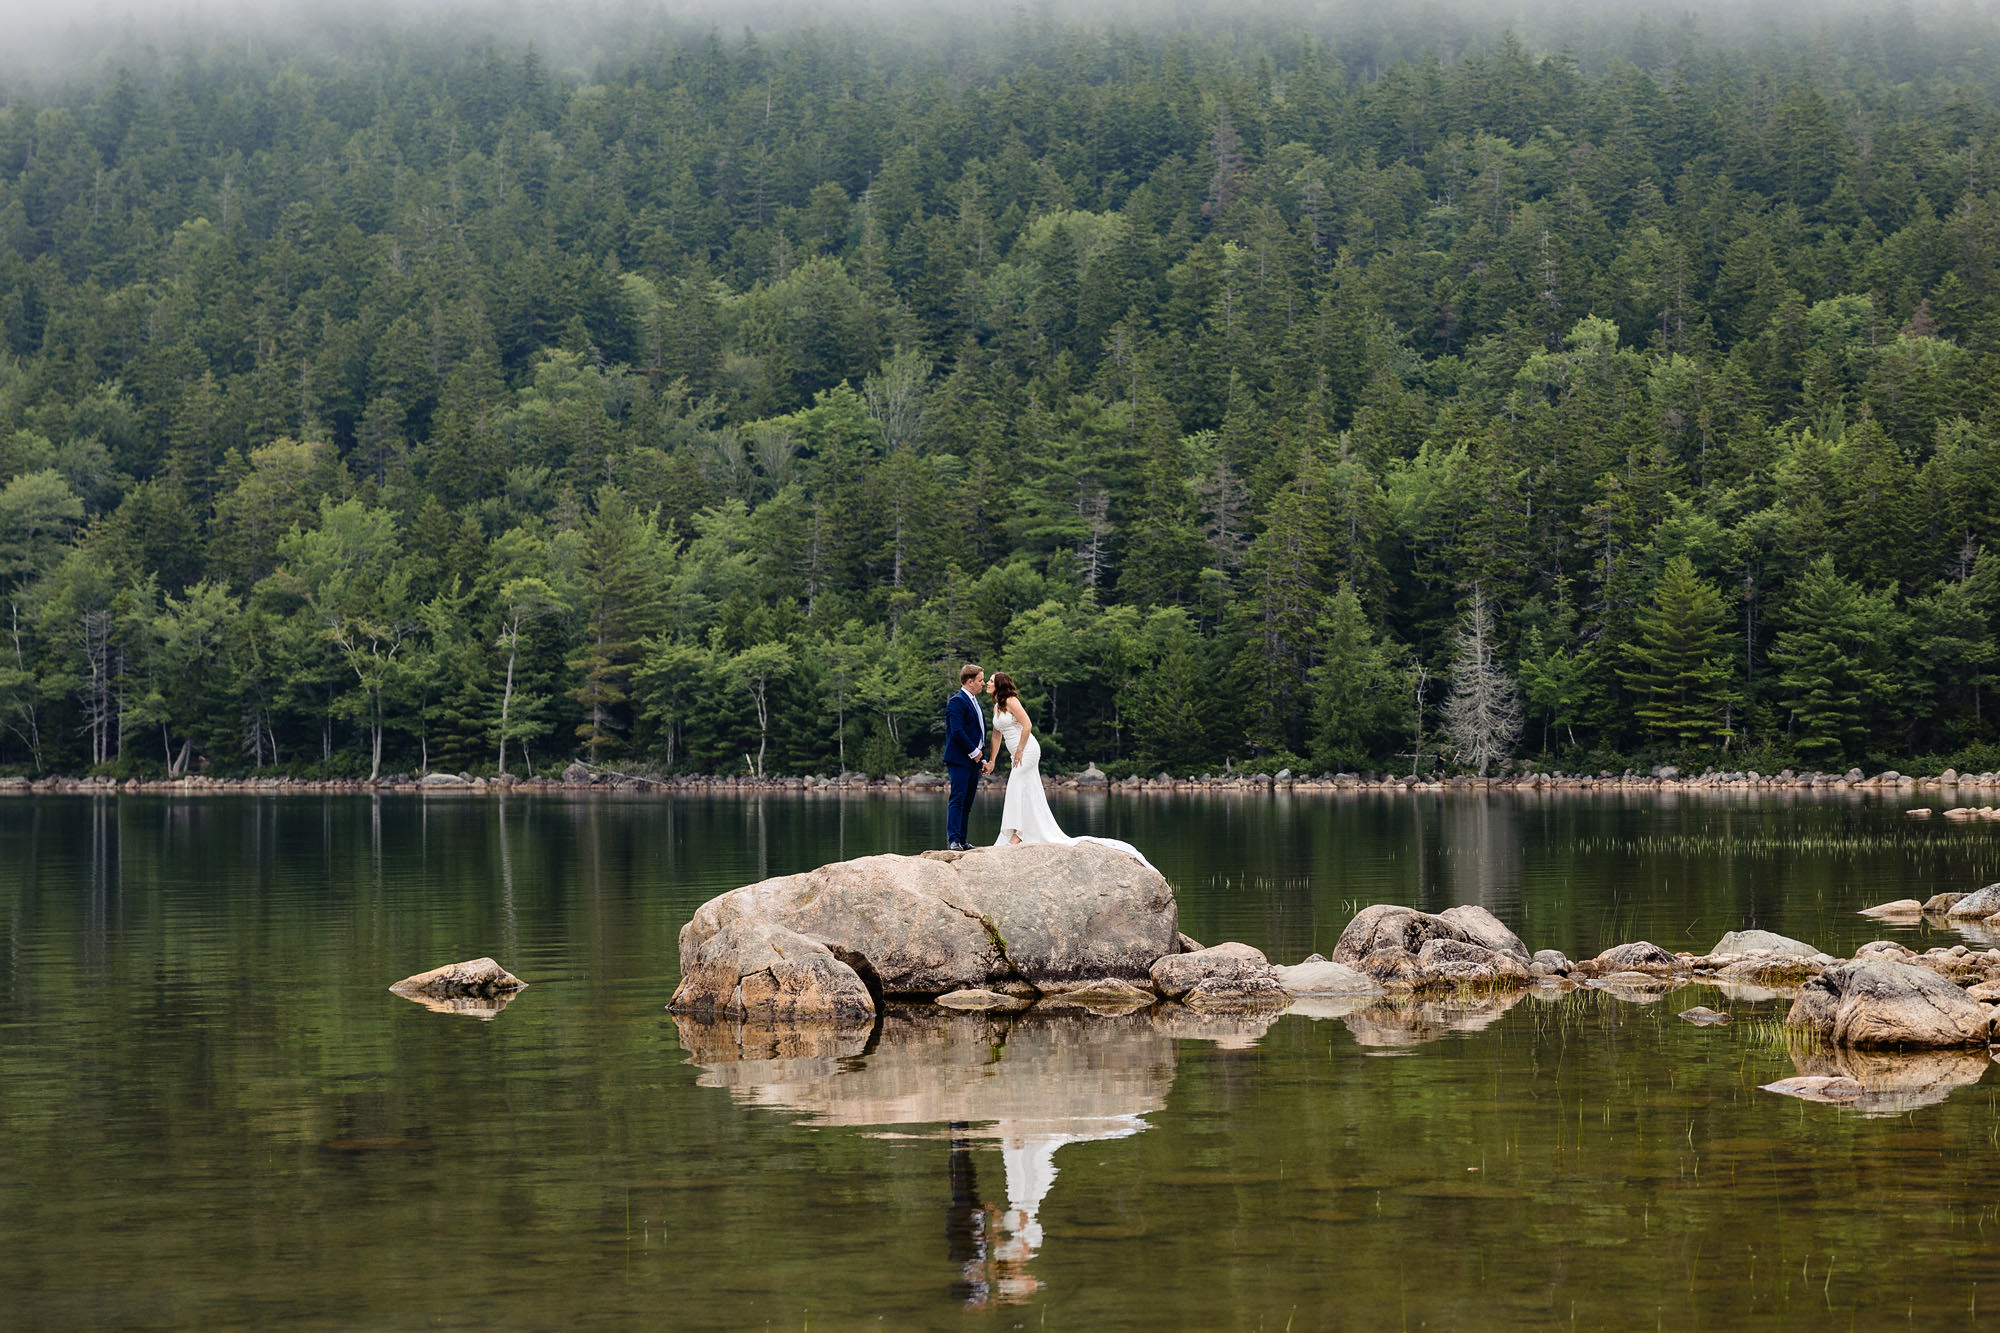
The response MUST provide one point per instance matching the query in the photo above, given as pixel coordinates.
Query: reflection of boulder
(486, 1007)
(1026, 1084)
(1233, 1031)
(743, 1047)
(1635, 987)
(1412, 1021)
(925, 925)
(1881, 1083)
(931, 1066)
(1884, 1004)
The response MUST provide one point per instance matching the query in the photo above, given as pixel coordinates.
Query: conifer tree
(1680, 659)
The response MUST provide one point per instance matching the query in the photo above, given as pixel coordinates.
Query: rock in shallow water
(1404, 949)
(753, 969)
(1177, 974)
(480, 977)
(1977, 905)
(1703, 1017)
(920, 926)
(1902, 907)
(1878, 1003)
(1316, 976)
(1763, 941)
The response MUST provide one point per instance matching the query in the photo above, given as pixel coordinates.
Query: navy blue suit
(964, 736)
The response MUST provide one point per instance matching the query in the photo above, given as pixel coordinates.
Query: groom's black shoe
(958, 847)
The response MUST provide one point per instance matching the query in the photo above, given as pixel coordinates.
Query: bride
(1026, 816)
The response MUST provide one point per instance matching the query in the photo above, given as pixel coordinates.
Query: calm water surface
(215, 1114)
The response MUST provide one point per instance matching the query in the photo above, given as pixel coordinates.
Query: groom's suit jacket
(964, 730)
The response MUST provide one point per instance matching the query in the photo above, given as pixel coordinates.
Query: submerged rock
(980, 998)
(478, 977)
(1877, 1003)
(1105, 995)
(1703, 1017)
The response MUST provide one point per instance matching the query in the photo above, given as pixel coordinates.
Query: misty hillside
(1247, 393)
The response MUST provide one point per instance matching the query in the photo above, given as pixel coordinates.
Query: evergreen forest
(1434, 396)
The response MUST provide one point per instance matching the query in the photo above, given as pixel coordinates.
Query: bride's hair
(1003, 689)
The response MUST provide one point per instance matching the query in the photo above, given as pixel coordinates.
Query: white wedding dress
(1027, 810)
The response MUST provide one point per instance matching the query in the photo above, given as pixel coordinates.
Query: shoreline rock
(580, 778)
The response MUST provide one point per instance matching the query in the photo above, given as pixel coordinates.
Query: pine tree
(1681, 659)
(621, 599)
(1833, 661)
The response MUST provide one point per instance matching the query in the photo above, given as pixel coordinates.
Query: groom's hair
(970, 672)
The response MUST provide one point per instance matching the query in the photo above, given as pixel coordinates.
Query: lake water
(216, 1115)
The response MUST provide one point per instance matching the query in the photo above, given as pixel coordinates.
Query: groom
(964, 738)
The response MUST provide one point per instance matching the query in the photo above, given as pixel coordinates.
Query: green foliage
(1680, 659)
(1200, 383)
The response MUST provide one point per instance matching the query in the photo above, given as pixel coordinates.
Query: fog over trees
(1306, 388)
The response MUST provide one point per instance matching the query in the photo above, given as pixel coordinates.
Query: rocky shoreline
(1949, 785)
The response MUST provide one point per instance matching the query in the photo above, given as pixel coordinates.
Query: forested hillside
(1259, 400)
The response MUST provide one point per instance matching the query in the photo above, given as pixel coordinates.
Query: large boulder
(1878, 1003)
(753, 969)
(926, 925)
(1485, 929)
(1977, 905)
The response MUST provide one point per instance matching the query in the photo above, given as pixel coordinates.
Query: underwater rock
(1876, 1003)
(1703, 1017)
(980, 998)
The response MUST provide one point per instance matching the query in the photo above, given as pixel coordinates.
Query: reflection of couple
(1026, 816)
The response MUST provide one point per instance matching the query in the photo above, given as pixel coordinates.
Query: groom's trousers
(957, 811)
